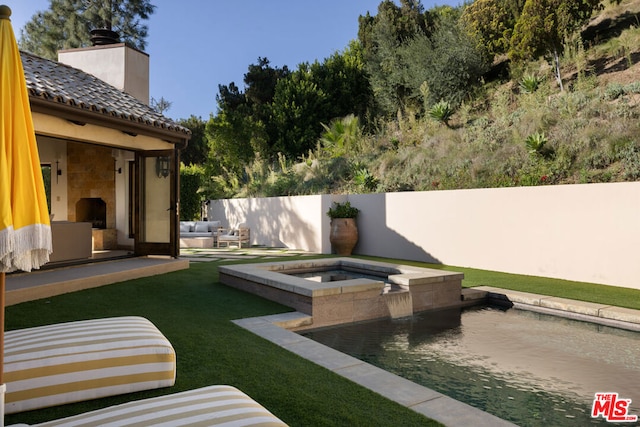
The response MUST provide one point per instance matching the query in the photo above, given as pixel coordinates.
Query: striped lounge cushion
(219, 405)
(69, 362)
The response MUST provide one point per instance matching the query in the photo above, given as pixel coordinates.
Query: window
(46, 176)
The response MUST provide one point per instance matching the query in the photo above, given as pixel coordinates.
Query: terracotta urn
(344, 235)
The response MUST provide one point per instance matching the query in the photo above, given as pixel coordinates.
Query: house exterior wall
(576, 232)
(46, 125)
(122, 161)
(53, 152)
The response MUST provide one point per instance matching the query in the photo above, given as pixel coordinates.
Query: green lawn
(602, 294)
(195, 311)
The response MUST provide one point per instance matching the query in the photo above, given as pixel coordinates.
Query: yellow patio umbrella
(25, 232)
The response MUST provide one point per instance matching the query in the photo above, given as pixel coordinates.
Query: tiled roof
(60, 83)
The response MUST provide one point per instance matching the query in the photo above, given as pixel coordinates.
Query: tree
(67, 24)
(543, 25)
(160, 105)
(197, 150)
(456, 66)
(191, 195)
(490, 23)
(261, 81)
(318, 93)
(299, 107)
(381, 37)
(243, 127)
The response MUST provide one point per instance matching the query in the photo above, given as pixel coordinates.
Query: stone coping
(423, 400)
(273, 274)
(620, 317)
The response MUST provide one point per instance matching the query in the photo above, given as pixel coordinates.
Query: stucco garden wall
(585, 232)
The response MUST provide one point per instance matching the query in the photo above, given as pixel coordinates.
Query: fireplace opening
(93, 210)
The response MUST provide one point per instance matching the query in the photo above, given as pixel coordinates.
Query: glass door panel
(156, 204)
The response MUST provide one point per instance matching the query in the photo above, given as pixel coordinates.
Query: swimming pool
(530, 368)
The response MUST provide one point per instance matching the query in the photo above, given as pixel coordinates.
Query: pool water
(529, 368)
(335, 275)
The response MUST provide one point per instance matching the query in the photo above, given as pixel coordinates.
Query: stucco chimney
(116, 63)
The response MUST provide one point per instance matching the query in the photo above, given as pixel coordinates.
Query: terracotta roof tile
(63, 84)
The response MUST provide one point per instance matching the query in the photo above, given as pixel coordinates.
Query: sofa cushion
(185, 228)
(201, 227)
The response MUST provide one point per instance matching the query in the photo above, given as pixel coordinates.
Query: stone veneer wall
(90, 173)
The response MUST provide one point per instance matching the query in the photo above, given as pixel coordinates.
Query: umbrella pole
(3, 386)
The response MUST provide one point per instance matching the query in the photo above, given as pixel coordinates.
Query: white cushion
(201, 227)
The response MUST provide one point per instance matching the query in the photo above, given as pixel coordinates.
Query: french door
(156, 210)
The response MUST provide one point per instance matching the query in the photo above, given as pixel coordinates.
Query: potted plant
(344, 229)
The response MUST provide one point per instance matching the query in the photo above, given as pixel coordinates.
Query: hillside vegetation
(513, 133)
(515, 128)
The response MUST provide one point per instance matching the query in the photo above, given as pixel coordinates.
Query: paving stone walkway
(231, 254)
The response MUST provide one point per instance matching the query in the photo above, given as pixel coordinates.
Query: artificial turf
(591, 292)
(194, 311)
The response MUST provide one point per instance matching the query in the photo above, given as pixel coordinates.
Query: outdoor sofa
(76, 361)
(199, 233)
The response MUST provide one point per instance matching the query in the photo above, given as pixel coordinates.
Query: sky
(196, 45)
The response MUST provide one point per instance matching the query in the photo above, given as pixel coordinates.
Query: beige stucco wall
(53, 152)
(576, 232)
(293, 222)
(55, 127)
(122, 161)
(119, 65)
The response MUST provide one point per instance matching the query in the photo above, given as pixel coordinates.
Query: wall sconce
(58, 171)
(163, 166)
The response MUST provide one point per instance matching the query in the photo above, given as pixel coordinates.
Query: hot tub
(376, 289)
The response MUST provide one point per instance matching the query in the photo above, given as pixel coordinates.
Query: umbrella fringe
(26, 248)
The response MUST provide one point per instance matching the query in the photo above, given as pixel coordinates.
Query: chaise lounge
(75, 361)
(208, 406)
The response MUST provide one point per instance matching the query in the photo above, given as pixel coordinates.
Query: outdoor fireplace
(93, 210)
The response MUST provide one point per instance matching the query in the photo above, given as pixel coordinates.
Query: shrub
(342, 210)
(365, 179)
(191, 197)
(442, 112)
(341, 136)
(535, 143)
(613, 91)
(632, 88)
(529, 83)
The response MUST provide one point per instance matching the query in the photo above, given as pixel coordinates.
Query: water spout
(399, 302)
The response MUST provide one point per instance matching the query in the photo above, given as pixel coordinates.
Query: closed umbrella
(25, 232)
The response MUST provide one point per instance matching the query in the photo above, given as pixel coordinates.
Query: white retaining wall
(587, 233)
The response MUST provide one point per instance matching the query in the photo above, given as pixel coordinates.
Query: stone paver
(618, 317)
